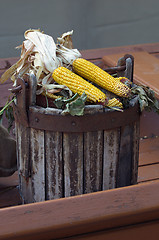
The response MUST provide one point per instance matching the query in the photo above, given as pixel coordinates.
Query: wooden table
(130, 212)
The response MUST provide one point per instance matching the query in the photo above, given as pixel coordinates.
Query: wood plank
(93, 156)
(9, 191)
(10, 197)
(82, 214)
(73, 163)
(143, 231)
(93, 161)
(146, 68)
(11, 181)
(136, 153)
(125, 156)
(148, 173)
(23, 162)
(149, 124)
(37, 159)
(99, 53)
(54, 165)
(149, 151)
(110, 158)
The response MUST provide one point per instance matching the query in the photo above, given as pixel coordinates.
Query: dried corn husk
(66, 39)
(45, 46)
(66, 55)
(40, 55)
(65, 49)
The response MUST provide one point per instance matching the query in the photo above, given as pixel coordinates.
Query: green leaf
(62, 101)
(6, 105)
(74, 105)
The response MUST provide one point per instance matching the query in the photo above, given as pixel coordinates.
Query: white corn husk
(67, 55)
(41, 56)
(66, 39)
(46, 48)
(65, 50)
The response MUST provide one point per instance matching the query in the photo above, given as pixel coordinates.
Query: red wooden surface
(88, 214)
(130, 212)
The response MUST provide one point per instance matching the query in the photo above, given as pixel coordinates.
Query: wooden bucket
(61, 156)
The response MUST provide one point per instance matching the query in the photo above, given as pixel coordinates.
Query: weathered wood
(148, 173)
(93, 156)
(110, 159)
(135, 155)
(63, 164)
(37, 160)
(23, 157)
(93, 161)
(149, 151)
(124, 165)
(54, 181)
(73, 163)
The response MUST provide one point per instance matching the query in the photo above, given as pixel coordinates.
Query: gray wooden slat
(124, 170)
(93, 155)
(110, 158)
(37, 159)
(23, 148)
(93, 158)
(135, 155)
(73, 163)
(54, 165)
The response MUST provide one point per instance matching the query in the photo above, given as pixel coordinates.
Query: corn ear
(95, 74)
(49, 95)
(78, 85)
(114, 102)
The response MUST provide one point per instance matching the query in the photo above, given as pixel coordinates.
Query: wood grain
(54, 180)
(93, 156)
(110, 158)
(73, 163)
(89, 213)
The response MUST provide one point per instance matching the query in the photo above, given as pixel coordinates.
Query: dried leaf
(66, 55)
(147, 99)
(7, 74)
(45, 46)
(66, 39)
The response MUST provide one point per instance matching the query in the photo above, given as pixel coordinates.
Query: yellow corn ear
(114, 102)
(50, 95)
(78, 85)
(95, 74)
